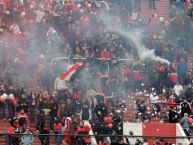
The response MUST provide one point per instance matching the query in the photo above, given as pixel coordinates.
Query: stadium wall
(154, 129)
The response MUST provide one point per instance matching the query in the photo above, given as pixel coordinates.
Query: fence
(52, 139)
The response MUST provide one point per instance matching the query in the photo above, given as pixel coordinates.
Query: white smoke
(136, 37)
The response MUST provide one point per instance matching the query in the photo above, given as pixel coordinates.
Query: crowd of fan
(77, 30)
(181, 4)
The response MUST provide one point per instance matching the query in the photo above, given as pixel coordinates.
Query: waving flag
(67, 76)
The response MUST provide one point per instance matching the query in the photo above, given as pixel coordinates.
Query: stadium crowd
(36, 32)
(180, 4)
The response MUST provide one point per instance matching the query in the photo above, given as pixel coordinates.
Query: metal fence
(51, 139)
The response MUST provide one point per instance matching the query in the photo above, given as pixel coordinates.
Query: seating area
(66, 63)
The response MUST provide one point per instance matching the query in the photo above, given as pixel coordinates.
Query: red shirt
(85, 129)
(171, 101)
(137, 76)
(108, 119)
(11, 131)
(77, 95)
(105, 54)
(57, 126)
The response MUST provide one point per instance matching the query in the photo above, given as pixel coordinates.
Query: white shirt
(154, 98)
(178, 89)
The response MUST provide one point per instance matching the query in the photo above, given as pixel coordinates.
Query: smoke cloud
(136, 37)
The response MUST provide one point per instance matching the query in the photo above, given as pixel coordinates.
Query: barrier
(131, 131)
(5, 138)
(158, 130)
(180, 132)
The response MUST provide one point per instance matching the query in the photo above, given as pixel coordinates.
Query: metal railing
(5, 138)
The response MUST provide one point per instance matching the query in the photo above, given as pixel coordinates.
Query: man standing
(3, 97)
(100, 110)
(13, 130)
(181, 70)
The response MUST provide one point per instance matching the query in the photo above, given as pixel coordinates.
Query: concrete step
(162, 10)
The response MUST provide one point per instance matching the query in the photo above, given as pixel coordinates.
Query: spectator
(3, 97)
(155, 102)
(189, 79)
(185, 107)
(169, 54)
(146, 117)
(91, 99)
(13, 130)
(155, 79)
(42, 106)
(83, 129)
(189, 93)
(164, 115)
(173, 115)
(181, 70)
(141, 107)
(27, 137)
(177, 89)
(100, 111)
(22, 104)
(22, 118)
(33, 104)
(65, 110)
(69, 129)
(172, 99)
(179, 4)
(57, 127)
(185, 124)
(106, 141)
(174, 77)
(53, 106)
(53, 37)
(44, 136)
(85, 111)
(11, 101)
(121, 142)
